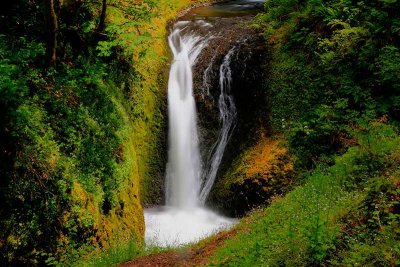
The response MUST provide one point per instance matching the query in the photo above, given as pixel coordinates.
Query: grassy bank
(343, 215)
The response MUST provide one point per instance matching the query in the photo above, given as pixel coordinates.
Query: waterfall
(186, 184)
(227, 110)
(183, 167)
(188, 181)
(184, 219)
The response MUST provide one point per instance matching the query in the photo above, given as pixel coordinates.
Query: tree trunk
(52, 28)
(102, 21)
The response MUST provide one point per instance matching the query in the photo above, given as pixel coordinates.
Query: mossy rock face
(248, 65)
(121, 223)
(257, 175)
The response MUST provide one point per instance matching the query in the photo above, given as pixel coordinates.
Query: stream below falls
(189, 177)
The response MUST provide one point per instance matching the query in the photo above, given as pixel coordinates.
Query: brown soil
(197, 255)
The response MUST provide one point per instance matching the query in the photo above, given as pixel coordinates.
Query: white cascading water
(227, 114)
(184, 219)
(184, 167)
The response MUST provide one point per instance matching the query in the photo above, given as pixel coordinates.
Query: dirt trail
(197, 255)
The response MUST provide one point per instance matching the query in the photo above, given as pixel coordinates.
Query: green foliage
(115, 255)
(325, 220)
(342, 58)
(120, 253)
(388, 67)
(58, 128)
(335, 66)
(127, 33)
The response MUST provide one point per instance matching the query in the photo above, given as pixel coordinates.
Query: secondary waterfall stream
(185, 218)
(227, 111)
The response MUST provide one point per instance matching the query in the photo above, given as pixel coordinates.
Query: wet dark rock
(248, 67)
(257, 176)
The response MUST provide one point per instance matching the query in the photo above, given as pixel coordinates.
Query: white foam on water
(170, 227)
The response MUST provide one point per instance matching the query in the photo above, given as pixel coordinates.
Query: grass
(305, 228)
(118, 254)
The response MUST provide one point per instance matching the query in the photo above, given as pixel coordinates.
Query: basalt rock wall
(249, 67)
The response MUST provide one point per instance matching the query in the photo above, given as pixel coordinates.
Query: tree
(100, 28)
(51, 36)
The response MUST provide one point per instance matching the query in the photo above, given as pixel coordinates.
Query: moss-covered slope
(81, 142)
